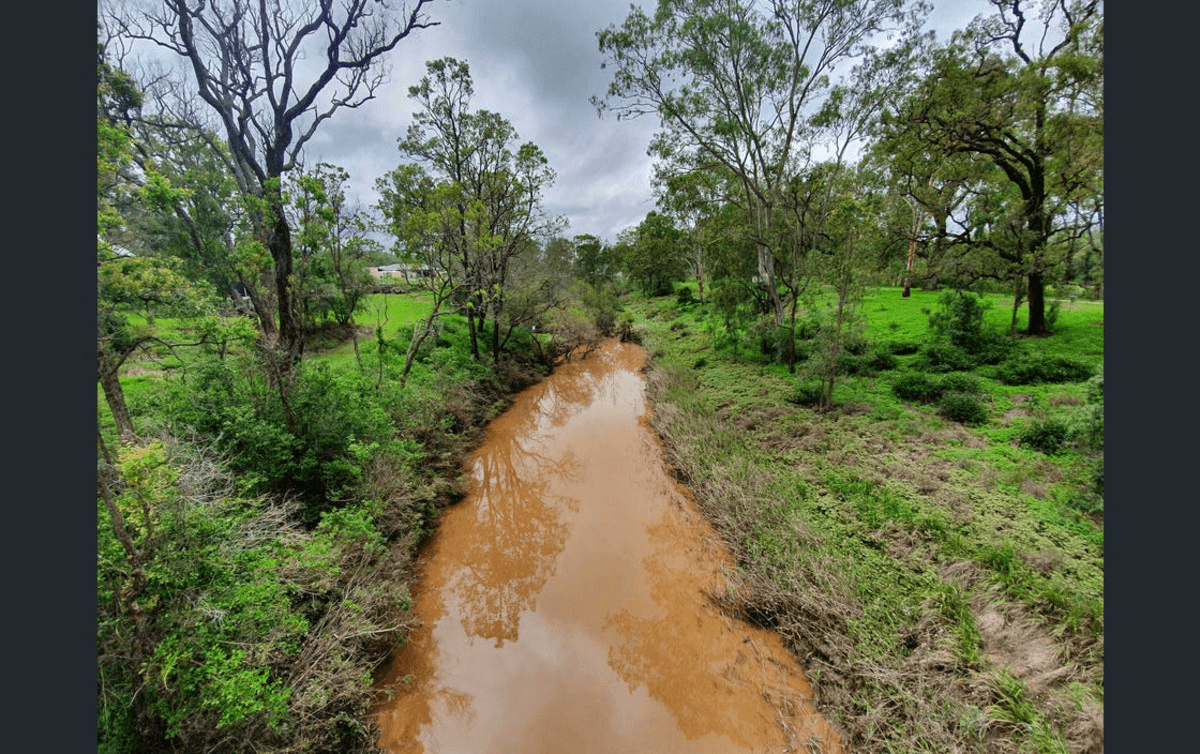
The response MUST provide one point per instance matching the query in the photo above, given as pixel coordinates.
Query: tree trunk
(291, 327)
(114, 395)
(912, 255)
(1037, 305)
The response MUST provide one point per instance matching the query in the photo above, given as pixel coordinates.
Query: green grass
(894, 525)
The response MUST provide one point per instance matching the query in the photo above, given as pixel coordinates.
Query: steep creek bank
(562, 606)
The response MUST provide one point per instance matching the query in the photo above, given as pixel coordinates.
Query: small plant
(916, 386)
(700, 363)
(1045, 435)
(684, 296)
(963, 408)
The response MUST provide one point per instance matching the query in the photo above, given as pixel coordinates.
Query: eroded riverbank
(563, 605)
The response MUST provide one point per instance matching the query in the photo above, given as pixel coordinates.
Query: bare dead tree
(272, 71)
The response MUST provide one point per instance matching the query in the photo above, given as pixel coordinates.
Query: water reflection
(580, 565)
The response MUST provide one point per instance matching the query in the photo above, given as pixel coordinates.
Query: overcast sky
(537, 63)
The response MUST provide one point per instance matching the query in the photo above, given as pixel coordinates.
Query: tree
(737, 85)
(129, 284)
(332, 244)
(656, 256)
(272, 71)
(690, 196)
(1024, 99)
(486, 189)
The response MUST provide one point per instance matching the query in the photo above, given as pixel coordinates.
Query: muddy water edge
(562, 606)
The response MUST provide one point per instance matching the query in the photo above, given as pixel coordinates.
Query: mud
(562, 607)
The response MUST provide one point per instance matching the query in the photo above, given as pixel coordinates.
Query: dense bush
(337, 420)
(903, 347)
(1032, 368)
(806, 394)
(684, 296)
(916, 386)
(207, 661)
(959, 382)
(963, 408)
(945, 357)
(1045, 435)
(881, 360)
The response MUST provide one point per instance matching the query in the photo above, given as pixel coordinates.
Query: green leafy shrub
(1045, 435)
(903, 347)
(963, 408)
(960, 382)
(857, 346)
(1087, 421)
(882, 361)
(806, 394)
(684, 296)
(916, 386)
(945, 357)
(700, 363)
(1034, 368)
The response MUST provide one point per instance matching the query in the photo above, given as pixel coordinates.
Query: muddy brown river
(562, 605)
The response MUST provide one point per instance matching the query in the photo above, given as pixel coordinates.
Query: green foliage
(959, 382)
(1026, 368)
(882, 360)
(1086, 423)
(916, 386)
(963, 408)
(684, 296)
(945, 357)
(1045, 435)
(903, 347)
(959, 320)
(807, 393)
(332, 414)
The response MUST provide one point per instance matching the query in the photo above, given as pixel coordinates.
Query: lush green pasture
(942, 580)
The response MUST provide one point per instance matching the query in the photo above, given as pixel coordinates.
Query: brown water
(562, 604)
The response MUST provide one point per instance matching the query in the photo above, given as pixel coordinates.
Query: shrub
(882, 361)
(959, 320)
(1045, 435)
(1087, 422)
(700, 363)
(857, 346)
(963, 408)
(903, 347)
(945, 357)
(684, 296)
(806, 394)
(1032, 368)
(916, 386)
(959, 382)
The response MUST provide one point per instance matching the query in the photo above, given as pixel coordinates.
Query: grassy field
(942, 582)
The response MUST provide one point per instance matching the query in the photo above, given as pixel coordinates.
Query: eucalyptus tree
(691, 196)
(272, 72)
(487, 189)
(737, 82)
(1022, 96)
